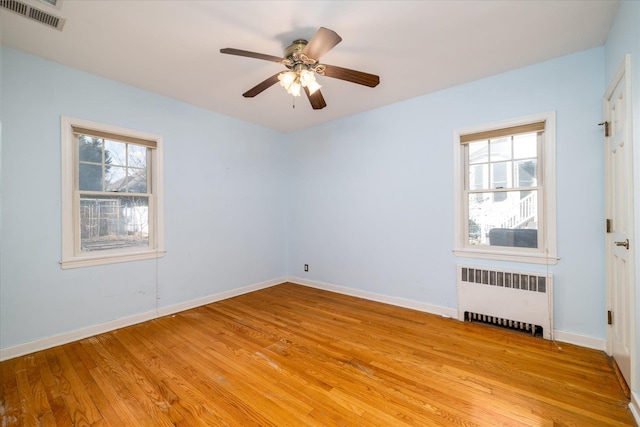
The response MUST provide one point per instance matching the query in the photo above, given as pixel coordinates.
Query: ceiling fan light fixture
(313, 87)
(306, 77)
(290, 80)
(294, 81)
(308, 80)
(294, 89)
(286, 78)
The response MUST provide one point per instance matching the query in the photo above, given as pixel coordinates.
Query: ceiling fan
(302, 61)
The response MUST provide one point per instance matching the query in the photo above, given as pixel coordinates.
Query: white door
(619, 212)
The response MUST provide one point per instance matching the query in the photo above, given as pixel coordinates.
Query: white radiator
(513, 299)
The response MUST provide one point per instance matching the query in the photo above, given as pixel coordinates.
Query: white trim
(548, 253)
(71, 259)
(67, 337)
(40, 3)
(568, 337)
(110, 259)
(45, 343)
(579, 340)
(634, 406)
(624, 72)
(506, 256)
(400, 302)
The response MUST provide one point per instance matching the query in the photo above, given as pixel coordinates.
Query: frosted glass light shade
(293, 81)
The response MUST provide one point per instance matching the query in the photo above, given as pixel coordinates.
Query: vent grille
(15, 6)
(522, 281)
(33, 13)
(535, 330)
(43, 17)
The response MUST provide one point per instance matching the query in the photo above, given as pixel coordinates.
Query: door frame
(623, 72)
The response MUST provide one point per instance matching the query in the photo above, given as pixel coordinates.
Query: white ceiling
(416, 47)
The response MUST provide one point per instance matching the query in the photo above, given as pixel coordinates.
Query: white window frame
(546, 253)
(72, 257)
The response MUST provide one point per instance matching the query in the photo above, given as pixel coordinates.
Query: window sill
(530, 258)
(90, 261)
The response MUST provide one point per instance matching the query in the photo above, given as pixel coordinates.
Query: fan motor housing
(296, 47)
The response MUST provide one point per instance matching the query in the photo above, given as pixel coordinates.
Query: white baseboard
(568, 337)
(45, 343)
(400, 302)
(218, 297)
(634, 405)
(580, 340)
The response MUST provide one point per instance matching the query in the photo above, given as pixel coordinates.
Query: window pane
(478, 177)
(478, 152)
(526, 173)
(501, 175)
(126, 180)
(505, 218)
(89, 177)
(115, 179)
(525, 146)
(113, 222)
(137, 157)
(137, 181)
(500, 149)
(90, 149)
(116, 152)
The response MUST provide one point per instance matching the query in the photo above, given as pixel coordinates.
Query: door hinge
(606, 127)
(609, 317)
(608, 225)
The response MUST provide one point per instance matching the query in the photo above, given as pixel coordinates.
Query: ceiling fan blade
(322, 42)
(352, 76)
(248, 54)
(316, 99)
(260, 87)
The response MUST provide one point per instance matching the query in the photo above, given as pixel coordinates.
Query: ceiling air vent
(33, 13)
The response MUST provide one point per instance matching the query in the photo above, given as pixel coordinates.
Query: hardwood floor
(293, 356)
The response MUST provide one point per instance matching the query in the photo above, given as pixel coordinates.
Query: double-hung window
(111, 194)
(505, 190)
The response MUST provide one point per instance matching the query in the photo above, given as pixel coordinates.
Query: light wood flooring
(294, 356)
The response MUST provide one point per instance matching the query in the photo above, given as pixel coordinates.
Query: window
(111, 194)
(505, 190)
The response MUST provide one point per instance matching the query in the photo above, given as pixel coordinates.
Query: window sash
(152, 226)
(465, 140)
(539, 167)
(103, 165)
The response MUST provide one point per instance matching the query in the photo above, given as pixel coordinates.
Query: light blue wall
(624, 38)
(224, 201)
(366, 201)
(371, 195)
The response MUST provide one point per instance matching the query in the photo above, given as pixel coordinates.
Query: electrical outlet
(306, 267)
